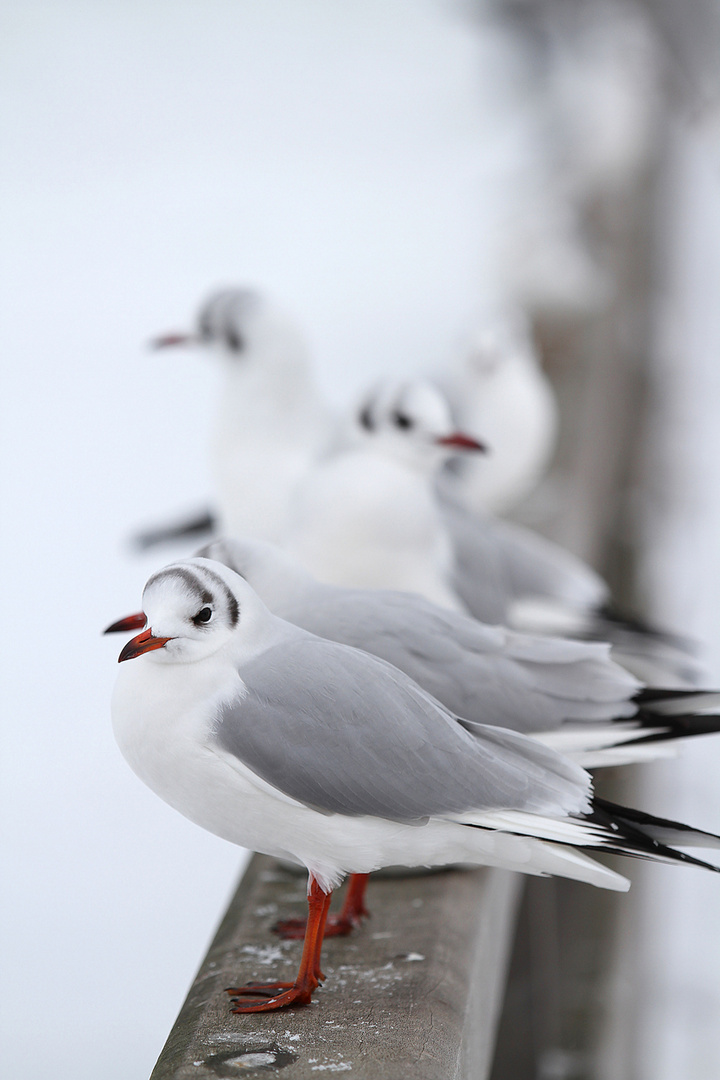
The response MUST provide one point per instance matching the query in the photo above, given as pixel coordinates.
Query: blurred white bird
(272, 423)
(497, 387)
(310, 750)
(370, 516)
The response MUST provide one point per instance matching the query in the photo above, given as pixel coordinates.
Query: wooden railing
(415, 993)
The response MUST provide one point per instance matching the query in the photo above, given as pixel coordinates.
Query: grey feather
(345, 733)
(498, 563)
(486, 674)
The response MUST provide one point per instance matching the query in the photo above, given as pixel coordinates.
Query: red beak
(168, 340)
(132, 622)
(143, 643)
(458, 441)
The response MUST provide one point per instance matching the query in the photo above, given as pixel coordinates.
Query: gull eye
(402, 420)
(204, 615)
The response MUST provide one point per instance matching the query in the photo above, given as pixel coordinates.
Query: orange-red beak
(143, 643)
(166, 341)
(132, 622)
(459, 441)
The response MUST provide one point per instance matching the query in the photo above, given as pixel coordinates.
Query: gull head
(227, 318)
(412, 422)
(239, 323)
(192, 609)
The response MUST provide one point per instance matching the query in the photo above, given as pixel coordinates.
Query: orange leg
(265, 996)
(351, 914)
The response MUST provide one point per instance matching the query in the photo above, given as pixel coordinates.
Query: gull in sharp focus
(312, 751)
(568, 693)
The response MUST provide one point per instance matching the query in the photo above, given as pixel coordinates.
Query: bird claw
(293, 994)
(258, 988)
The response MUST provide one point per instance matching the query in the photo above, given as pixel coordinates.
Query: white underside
(365, 522)
(176, 757)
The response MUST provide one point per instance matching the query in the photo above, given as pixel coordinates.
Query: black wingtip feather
(626, 823)
(650, 695)
(674, 727)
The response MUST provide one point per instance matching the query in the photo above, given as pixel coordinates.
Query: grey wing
(484, 674)
(499, 563)
(344, 733)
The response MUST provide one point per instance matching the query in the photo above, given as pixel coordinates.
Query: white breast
(366, 522)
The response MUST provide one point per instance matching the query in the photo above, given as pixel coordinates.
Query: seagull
(313, 751)
(272, 423)
(367, 515)
(373, 515)
(497, 386)
(569, 694)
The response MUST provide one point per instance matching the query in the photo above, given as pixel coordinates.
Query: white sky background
(333, 153)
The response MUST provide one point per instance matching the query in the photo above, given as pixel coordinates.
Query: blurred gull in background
(272, 424)
(367, 515)
(497, 386)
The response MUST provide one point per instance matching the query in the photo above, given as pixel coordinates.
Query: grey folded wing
(485, 674)
(345, 733)
(498, 563)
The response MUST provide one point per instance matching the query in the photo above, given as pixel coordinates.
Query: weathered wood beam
(416, 992)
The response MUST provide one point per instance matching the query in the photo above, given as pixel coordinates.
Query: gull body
(310, 750)
(485, 674)
(291, 745)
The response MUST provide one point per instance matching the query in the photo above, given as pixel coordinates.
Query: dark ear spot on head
(232, 604)
(366, 418)
(233, 611)
(234, 339)
(402, 420)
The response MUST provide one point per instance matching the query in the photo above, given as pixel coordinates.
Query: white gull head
(412, 423)
(194, 609)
